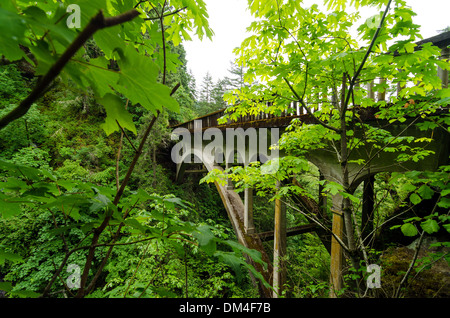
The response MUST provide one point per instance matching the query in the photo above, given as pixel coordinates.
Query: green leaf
(353, 198)
(10, 257)
(116, 112)
(447, 227)
(138, 83)
(233, 261)
(67, 201)
(444, 203)
(25, 293)
(409, 229)
(427, 125)
(334, 187)
(445, 192)
(425, 192)
(430, 226)
(415, 198)
(6, 286)
(109, 40)
(135, 224)
(42, 24)
(163, 292)
(254, 254)
(13, 28)
(407, 187)
(98, 76)
(414, 218)
(100, 201)
(409, 47)
(206, 239)
(9, 209)
(20, 171)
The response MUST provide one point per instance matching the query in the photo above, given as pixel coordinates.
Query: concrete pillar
(248, 211)
(279, 248)
(443, 74)
(367, 206)
(336, 249)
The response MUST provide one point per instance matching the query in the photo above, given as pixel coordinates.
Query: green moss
(423, 282)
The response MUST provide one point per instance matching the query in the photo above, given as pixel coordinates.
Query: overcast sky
(230, 18)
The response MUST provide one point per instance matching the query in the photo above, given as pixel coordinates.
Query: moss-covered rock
(429, 278)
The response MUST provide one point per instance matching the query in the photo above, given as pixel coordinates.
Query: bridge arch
(235, 209)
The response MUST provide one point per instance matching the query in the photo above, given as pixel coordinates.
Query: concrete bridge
(240, 212)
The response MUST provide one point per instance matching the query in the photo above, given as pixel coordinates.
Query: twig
(166, 15)
(366, 56)
(384, 147)
(397, 293)
(126, 135)
(338, 239)
(119, 150)
(317, 120)
(136, 269)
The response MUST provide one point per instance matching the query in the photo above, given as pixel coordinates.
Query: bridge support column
(367, 207)
(279, 249)
(443, 74)
(248, 211)
(336, 265)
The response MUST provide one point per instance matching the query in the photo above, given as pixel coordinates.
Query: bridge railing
(294, 110)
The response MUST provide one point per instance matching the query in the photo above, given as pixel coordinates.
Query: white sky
(230, 18)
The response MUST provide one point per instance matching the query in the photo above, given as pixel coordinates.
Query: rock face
(430, 277)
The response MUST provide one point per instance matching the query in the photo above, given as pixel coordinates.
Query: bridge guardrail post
(382, 94)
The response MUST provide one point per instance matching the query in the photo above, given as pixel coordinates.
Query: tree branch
(366, 56)
(166, 15)
(97, 23)
(301, 101)
(411, 266)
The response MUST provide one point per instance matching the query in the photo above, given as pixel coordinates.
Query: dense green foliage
(64, 161)
(87, 184)
(72, 145)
